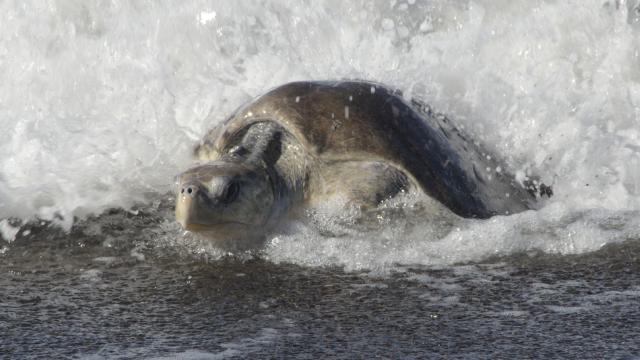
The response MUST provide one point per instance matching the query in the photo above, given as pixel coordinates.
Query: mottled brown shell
(366, 121)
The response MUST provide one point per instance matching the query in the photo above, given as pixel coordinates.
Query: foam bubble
(7, 231)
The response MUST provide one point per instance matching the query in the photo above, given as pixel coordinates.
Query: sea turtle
(304, 142)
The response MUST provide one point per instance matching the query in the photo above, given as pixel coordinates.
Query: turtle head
(225, 198)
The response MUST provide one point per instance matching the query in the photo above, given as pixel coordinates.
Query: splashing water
(102, 103)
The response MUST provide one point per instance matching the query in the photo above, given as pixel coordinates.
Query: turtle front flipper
(361, 183)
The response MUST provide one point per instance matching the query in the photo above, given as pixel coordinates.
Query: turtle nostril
(189, 190)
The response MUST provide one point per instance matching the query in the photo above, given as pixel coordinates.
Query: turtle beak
(187, 206)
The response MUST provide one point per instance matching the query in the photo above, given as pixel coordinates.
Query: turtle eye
(238, 150)
(231, 192)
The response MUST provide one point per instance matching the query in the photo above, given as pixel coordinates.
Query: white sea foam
(102, 101)
(240, 348)
(7, 231)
